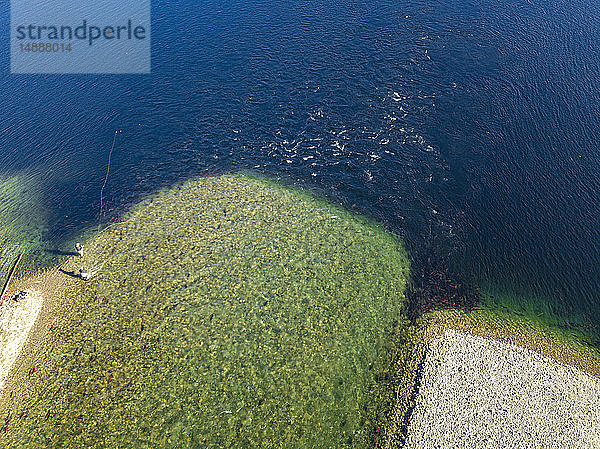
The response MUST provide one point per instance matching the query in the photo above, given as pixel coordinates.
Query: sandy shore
(476, 392)
(16, 320)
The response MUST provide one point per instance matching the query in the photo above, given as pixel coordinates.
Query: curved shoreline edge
(17, 317)
(406, 351)
(555, 344)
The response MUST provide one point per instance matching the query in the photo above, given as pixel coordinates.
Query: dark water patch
(435, 286)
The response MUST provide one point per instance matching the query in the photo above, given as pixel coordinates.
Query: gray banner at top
(62, 36)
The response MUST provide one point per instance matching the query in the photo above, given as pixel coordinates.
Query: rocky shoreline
(477, 392)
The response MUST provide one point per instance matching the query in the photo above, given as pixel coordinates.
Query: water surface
(469, 128)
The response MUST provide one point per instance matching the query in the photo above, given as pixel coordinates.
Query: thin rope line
(107, 170)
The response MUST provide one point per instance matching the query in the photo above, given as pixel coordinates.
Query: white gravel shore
(480, 393)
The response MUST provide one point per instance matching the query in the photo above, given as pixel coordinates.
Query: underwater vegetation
(225, 312)
(233, 312)
(433, 286)
(23, 218)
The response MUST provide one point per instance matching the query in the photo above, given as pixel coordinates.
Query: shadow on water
(72, 274)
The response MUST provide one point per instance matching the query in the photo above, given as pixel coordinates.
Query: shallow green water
(539, 311)
(23, 218)
(227, 313)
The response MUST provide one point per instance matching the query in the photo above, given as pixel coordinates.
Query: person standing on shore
(84, 274)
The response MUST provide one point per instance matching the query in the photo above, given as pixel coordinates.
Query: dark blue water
(469, 128)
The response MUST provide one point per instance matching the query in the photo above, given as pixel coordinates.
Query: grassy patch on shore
(227, 312)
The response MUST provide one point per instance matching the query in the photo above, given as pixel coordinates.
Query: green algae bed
(227, 312)
(23, 218)
(232, 312)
